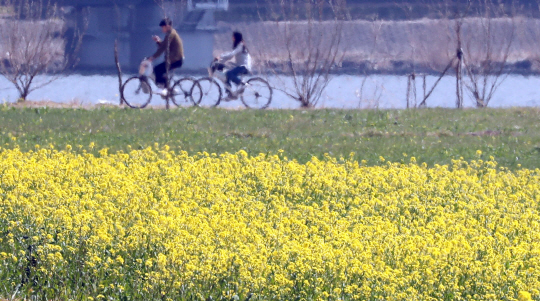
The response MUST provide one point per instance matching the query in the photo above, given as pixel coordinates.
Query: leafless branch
(487, 51)
(311, 43)
(34, 44)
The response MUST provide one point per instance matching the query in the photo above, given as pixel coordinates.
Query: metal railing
(207, 4)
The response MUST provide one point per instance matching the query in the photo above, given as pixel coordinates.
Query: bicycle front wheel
(211, 92)
(186, 91)
(136, 92)
(257, 94)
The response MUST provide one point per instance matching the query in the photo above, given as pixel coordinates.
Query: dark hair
(238, 38)
(165, 22)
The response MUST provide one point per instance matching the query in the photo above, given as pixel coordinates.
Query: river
(344, 91)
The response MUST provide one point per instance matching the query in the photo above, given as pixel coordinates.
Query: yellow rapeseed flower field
(157, 225)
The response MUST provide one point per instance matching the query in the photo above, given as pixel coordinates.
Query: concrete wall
(134, 27)
(145, 24)
(198, 48)
(97, 49)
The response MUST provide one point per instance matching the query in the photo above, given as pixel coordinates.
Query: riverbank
(398, 47)
(433, 136)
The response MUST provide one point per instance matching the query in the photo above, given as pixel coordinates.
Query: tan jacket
(176, 48)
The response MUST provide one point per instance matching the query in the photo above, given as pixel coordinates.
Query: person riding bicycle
(242, 64)
(174, 53)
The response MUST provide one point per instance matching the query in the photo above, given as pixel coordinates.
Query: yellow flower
(120, 259)
(524, 296)
(174, 223)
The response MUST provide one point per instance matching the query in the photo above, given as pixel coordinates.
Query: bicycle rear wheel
(257, 94)
(186, 91)
(136, 92)
(210, 92)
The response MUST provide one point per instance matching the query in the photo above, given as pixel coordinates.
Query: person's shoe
(230, 94)
(164, 93)
(230, 97)
(241, 88)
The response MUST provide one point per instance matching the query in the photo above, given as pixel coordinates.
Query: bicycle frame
(145, 79)
(246, 93)
(146, 73)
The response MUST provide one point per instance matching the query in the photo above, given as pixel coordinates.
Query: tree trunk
(119, 70)
(23, 93)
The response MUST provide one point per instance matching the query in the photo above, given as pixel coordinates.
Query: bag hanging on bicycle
(146, 71)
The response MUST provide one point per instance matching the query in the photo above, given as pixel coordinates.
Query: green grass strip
(434, 136)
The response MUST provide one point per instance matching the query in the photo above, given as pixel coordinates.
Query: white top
(240, 54)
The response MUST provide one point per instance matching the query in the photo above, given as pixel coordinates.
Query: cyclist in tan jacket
(174, 52)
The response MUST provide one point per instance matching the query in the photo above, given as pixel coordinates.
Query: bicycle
(137, 92)
(256, 94)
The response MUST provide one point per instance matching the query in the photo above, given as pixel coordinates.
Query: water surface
(344, 91)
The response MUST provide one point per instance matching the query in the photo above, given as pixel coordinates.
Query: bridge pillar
(133, 26)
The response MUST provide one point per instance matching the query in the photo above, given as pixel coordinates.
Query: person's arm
(229, 55)
(162, 46)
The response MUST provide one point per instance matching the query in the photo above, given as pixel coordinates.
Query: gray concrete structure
(133, 23)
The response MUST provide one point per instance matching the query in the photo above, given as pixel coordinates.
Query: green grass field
(434, 136)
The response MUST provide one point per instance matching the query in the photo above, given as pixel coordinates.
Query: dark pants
(161, 71)
(233, 75)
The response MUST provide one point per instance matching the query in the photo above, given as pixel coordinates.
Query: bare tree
(310, 42)
(479, 38)
(372, 44)
(431, 49)
(116, 55)
(450, 17)
(487, 47)
(532, 36)
(34, 44)
(528, 40)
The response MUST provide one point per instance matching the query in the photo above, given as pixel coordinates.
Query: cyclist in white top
(242, 64)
